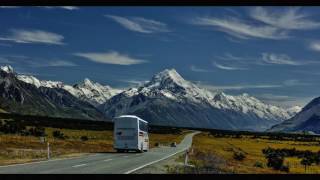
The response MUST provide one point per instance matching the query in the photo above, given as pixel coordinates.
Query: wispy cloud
(295, 82)
(286, 83)
(45, 7)
(240, 86)
(315, 46)
(240, 29)
(53, 63)
(317, 73)
(139, 24)
(283, 59)
(262, 23)
(9, 7)
(196, 69)
(229, 68)
(112, 57)
(272, 58)
(234, 58)
(284, 100)
(35, 61)
(60, 7)
(134, 82)
(286, 18)
(33, 36)
(265, 59)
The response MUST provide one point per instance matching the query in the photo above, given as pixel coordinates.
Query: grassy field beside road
(19, 149)
(222, 150)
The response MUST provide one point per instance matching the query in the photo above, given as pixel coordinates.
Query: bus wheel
(119, 151)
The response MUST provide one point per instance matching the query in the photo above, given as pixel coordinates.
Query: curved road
(100, 163)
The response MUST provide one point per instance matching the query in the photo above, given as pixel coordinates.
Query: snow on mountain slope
(167, 95)
(248, 104)
(94, 93)
(7, 69)
(17, 96)
(294, 110)
(309, 112)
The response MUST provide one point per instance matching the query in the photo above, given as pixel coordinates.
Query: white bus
(130, 133)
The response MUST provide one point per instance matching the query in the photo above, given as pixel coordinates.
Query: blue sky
(269, 52)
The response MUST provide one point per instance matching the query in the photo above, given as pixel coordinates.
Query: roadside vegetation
(25, 141)
(229, 153)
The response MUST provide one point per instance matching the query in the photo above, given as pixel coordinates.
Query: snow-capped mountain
(294, 110)
(7, 69)
(94, 93)
(307, 119)
(17, 96)
(168, 99)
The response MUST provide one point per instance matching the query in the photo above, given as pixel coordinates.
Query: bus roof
(131, 116)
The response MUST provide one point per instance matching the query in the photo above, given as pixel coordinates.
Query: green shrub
(258, 164)
(275, 161)
(84, 138)
(58, 134)
(284, 168)
(239, 156)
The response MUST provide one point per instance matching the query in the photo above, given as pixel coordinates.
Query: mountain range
(167, 99)
(308, 119)
(17, 96)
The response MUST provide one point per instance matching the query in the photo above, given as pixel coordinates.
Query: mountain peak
(7, 69)
(168, 76)
(87, 81)
(172, 73)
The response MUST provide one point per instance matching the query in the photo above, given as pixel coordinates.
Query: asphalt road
(100, 163)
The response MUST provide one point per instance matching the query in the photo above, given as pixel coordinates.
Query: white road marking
(44, 161)
(107, 160)
(79, 165)
(125, 156)
(140, 167)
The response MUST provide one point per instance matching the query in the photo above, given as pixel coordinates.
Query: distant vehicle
(130, 133)
(174, 144)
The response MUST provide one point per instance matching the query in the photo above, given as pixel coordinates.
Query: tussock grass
(225, 147)
(19, 149)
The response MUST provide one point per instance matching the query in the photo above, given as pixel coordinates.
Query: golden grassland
(19, 149)
(225, 147)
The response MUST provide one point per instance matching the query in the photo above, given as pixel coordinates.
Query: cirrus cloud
(139, 24)
(240, 29)
(112, 57)
(289, 18)
(33, 36)
(229, 68)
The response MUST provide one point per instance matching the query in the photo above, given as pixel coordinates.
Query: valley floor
(217, 153)
(20, 149)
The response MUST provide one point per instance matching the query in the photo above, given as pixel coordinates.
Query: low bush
(58, 134)
(239, 156)
(84, 138)
(258, 164)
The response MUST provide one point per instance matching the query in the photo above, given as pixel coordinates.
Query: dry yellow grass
(19, 149)
(225, 147)
(166, 138)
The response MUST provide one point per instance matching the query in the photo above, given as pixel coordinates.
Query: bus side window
(143, 126)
